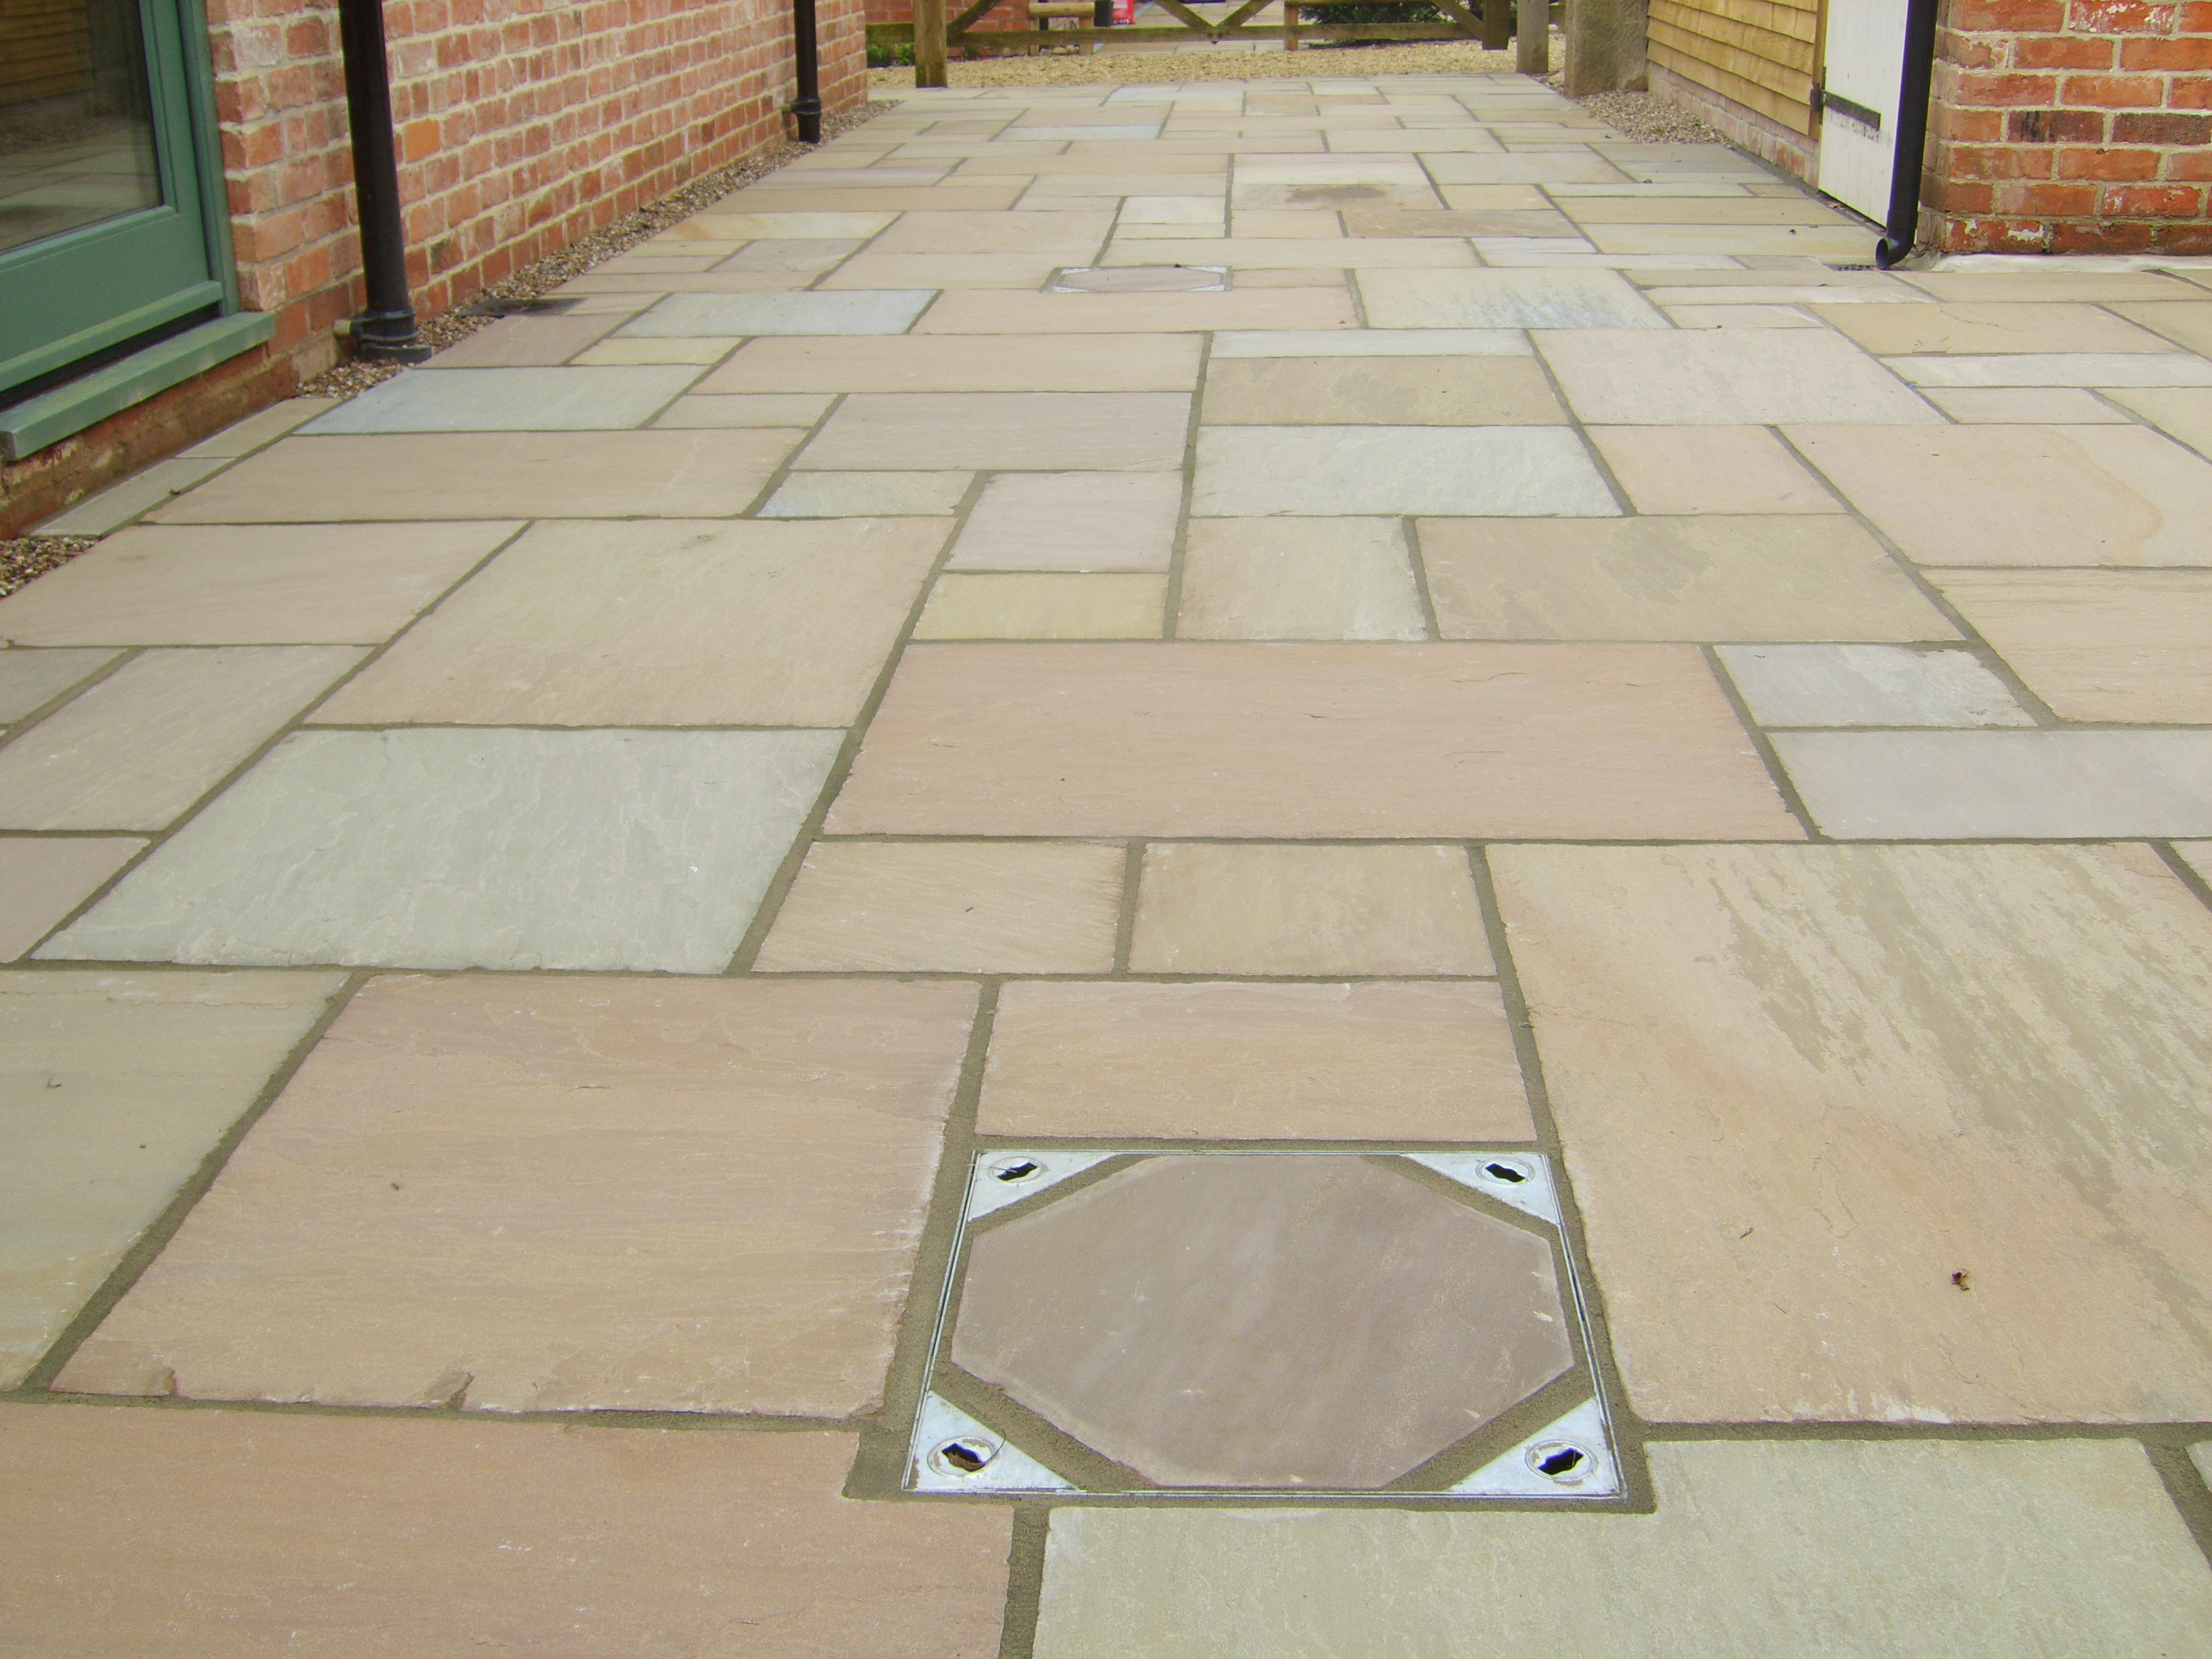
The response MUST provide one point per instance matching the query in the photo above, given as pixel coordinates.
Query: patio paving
(582, 861)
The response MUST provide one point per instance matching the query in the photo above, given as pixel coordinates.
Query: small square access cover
(1263, 1323)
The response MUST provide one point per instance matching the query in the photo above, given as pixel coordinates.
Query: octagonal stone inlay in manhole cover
(1263, 1322)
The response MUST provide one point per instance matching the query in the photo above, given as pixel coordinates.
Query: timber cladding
(1762, 54)
(46, 50)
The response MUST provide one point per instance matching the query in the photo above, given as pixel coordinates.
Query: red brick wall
(2071, 126)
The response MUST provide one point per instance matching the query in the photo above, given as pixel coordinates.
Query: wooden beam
(929, 44)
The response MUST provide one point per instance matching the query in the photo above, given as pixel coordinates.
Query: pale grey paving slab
(521, 341)
(1372, 343)
(1869, 685)
(1033, 431)
(1325, 470)
(1725, 377)
(31, 679)
(511, 400)
(443, 848)
(863, 494)
(137, 750)
(1072, 521)
(1504, 299)
(141, 492)
(44, 877)
(112, 1089)
(1941, 786)
(862, 311)
(1907, 1549)
(2089, 368)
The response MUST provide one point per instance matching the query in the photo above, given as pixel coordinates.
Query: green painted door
(104, 189)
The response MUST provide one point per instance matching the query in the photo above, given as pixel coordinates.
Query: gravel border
(1129, 67)
(534, 281)
(32, 556)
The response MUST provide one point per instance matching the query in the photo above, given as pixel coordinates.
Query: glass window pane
(76, 129)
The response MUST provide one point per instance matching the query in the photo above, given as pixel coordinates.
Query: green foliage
(889, 56)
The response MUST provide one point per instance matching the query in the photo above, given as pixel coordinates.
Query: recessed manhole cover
(1141, 279)
(1265, 1324)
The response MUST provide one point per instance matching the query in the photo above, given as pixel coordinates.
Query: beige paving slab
(1652, 208)
(139, 748)
(1741, 316)
(1208, 907)
(1290, 253)
(2014, 285)
(44, 877)
(2022, 494)
(1504, 299)
(1072, 521)
(491, 475)
(1035, 431)
(332, 584)
(1299, 578)
(2056, 405)
(1724, 377)
(2187, 324)
(1300, 741)
(1710, 469)
(1864, 1070)
(31, 679)
(643, 286)
(1127, 362)
(2060, 369)
(1249, 472)
(262, 427)
(835, 201)
(789, 409)
(1228, 1061)
(876, 270)
(1044, 605)
(251, 1535)
(1286, 221)
(1917, 1549)
(659, 623)
(780, 223)
(110, 509)
(865, 495)
(2099, 645)
(1331, 181)
(1569, 167)
(1756, 578)
(520, 341)
(1383, 391)
(2031, 326)
(2182, 412)
(819, 254)
(950, 907)
(2197, 855)
(1136, 313)
(93, 1061)
(545, 1193)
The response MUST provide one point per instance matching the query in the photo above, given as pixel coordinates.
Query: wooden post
(1605, 46)
(1290, 41)
(1533, 51)
(1497, 24)
(929, 44)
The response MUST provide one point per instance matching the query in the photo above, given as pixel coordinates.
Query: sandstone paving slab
(1710, 469)
(548, 1194)
(2032, 326)
(1931, 1549)
(1383, 391)
(137, 750)
(1033, 431)
(2056, 405)
(1299, 578)
(264, 427)
(796, 253)
(1724, 377)
(1800, 1089)
(1668, 205)
(1570, 167)
(1867, 685)
(2022, 494)
(958, 313)
(1307, 741)
(866, 495)
(833, 202)
(44, 877)
(2197, 855)
(474, 848)
(950, 907)
(658, 623)
(510, 400)
(335, 584)
(1229, 1061)
(148, 487)
(251, 1534)
(527, 341)
(1072, 521)
(693, 349)
(1941, 786)
(1045, 605)
(93, 1061)
(1285, 221)
(873, 269)
(888, 311)
(1251, 471)
(1331, 182)
(2189, 326)
(1504, 299)
(492, 475)
(1129, 362)
(2014, 284)
(1282, 909)
(1741, 317)
(793, 408)
(2099, 645)
(1291, 252)
(1753, 578)
(2089, 368)
(2182, 412)
(782, 224)
(1372, 343)
(29, 680)
(1515, 215)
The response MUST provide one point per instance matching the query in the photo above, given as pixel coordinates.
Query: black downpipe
(1912, 134)
(385, 330)
(807, 106)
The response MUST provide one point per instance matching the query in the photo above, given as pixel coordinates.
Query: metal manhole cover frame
(1607, 1478)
